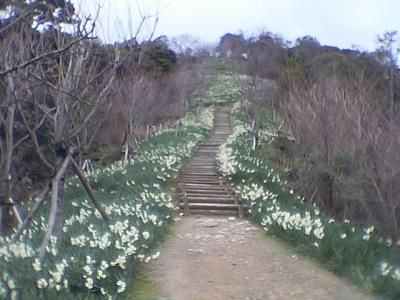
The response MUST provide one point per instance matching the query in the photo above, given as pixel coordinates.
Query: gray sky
(341, 23)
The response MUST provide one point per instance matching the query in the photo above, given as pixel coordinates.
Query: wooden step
(188, 170)
(195, 192)
(208, 152)
(206, 183)
(212, 173)
(214, 212)
(200, 191)
(213, 206)
(198, 173)
(209, 201)
(199, 185)
(205, 180)
(201, 164)
(201, 178)
(208, 160)
(191, 168)
(209, 196)
(210, 176)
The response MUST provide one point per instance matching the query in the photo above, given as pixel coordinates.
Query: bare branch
(154, 28)
(45, 55)
(31, 215)
(33, 137)
(96, 107)
(89, 190)
(20, 141)
(49, 84)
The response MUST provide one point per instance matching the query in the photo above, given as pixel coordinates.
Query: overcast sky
(341, 23)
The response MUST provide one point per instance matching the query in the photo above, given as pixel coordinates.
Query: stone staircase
(200, 186)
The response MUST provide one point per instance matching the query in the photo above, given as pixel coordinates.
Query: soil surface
(222, 257)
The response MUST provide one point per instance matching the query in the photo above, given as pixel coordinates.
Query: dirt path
(224, 258)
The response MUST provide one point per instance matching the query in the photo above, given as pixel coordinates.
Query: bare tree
(61, 89)
(79, 89)
(25, 49)
(185, 44)
(256, 93)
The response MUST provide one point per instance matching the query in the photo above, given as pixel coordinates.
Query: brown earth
(217, 257)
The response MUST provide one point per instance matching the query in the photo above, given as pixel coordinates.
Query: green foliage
(157, 56)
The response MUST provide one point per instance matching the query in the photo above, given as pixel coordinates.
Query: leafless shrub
(145, 102)
(348, 158)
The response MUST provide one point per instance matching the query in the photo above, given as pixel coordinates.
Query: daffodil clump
(219, 88)
(94, 259)
(357, 253)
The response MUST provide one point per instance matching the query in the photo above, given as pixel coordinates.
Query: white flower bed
(93, 258)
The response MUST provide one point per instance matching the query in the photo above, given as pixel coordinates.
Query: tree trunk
(187, 104)
(128, 144)
(178, 127)
(90, 191)
(326, 194)
(126, 154)
(147, 131)
(15, 212)
(5, 177)
(255, 133)
(56, 217)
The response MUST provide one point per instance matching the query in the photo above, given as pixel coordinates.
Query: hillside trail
(222, 257)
